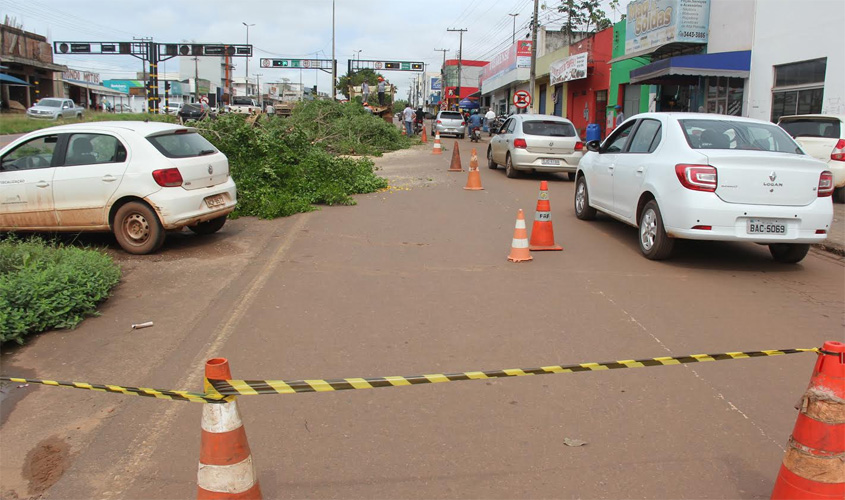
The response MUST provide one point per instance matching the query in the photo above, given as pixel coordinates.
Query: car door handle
(611, 168)
(109, 178)
(640, 170)
(42, 184)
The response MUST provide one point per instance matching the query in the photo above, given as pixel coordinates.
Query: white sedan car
(536, 143)
(135, 179)
(707, 177)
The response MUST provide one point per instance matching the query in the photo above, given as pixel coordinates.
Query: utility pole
(196, 79)
(144, 74)
(258, 84)
(461, 55)
(513, 38)
(442, 74)
(533, 57)
(334, 61)
(246, 83)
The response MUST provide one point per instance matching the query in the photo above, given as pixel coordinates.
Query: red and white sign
(521, 99)
(204, 99)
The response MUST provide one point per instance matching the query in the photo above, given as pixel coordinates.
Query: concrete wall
(732, 24)
(787, 31)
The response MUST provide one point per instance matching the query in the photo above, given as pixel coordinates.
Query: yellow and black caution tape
(131, 391)
(225, 389)
(250, 387)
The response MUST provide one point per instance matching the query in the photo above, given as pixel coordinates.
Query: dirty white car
(134, 179)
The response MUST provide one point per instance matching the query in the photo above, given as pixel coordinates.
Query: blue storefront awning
(730, 64)
(11, 80)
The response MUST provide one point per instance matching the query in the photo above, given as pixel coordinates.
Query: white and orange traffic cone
(519, 247)
(225, 470)
(542, 233)
(424, 137)
(438, 150)
(474, 177)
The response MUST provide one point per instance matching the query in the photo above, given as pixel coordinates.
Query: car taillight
(520, 143)
(838, 152)
(438, 121)
(579, 146)
(697, 177)
(168, 177)
(463, 124)
(825, 184)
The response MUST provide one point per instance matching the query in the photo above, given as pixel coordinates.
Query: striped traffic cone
(455, 166)
(542, 233)
(226, 470)
(474, 177)
(813, 465)
(437, 148)
(519, 247)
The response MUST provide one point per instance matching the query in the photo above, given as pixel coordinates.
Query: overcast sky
(389, 29)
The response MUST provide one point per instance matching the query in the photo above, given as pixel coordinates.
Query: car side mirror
(594, 146)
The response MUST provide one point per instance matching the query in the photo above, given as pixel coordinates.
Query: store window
(799, 88)
(723, 95)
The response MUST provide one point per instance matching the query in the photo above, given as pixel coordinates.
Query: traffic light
(314, 88)
(391, 65)
(125, 47)
(416, 66)
(166, 85)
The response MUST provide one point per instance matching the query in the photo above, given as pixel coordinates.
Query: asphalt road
(415, 280)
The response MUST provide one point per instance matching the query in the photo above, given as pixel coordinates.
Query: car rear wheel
(490, 162)
(209, 226)
(509, 170)
(789, 253)
(137, 228)
(583, 210)
(839, 195)
(655, 244)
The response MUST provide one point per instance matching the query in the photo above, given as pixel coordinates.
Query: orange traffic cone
(813, 463)
(456, 160)
(424, 137)
(226, 469)
(437, 148)
(474, 177)
(403, 130)
(519, 247)
(542, 233)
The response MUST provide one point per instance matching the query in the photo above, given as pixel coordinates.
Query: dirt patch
(45, 464)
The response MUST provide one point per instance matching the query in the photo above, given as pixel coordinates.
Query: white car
(135, 179)
(822, 137)
(707, 177)
(536, 143)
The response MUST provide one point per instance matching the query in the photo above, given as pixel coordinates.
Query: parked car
(536, 143)
(195, 111)
(52, 108)
(171, 109)
(707, 177)
(450, 122)
(822, 137)
(122, 108)
(135, 179)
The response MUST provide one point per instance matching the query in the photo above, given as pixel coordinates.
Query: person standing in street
(365, 90)
(382, 85)
(620, 116)
(488, 119)
(408, 115)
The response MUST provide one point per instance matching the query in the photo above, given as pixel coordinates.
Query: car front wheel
(789, 253)
(583, 210)
(509, 170)
(209, 226)
(655, 244)
(137, 228)
(490, 162)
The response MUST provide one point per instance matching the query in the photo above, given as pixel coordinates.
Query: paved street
(415, 280)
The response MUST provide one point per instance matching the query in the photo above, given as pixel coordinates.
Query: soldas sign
(653, 23)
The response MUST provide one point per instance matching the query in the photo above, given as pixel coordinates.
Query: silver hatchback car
(536, 143)
(450, 122)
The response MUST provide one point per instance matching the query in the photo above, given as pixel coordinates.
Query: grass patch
(11, 123)
(45, 286)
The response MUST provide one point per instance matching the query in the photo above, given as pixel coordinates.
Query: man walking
(365, 90)
(488, 119)
(382, 85)
(408, 114)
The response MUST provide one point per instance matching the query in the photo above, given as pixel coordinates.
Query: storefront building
(85, 89)
(470, 73)
(507, 73)
(548, 97)
(586, 73)
(28, 57)
(631, 99)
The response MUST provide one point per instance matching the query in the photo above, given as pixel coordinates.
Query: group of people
(381, 87)
(410, 116)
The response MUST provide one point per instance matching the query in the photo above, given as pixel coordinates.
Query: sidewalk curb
(831, 248)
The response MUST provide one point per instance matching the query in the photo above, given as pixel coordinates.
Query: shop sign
(81, 76)
(435, 83)
(517, 55)
(568, 68)
(653, 23)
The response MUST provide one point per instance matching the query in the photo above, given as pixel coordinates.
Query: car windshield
(192, 107)
(812, 127)
(50, 103)
(548, 128)
(726, 134)
(450, 115)
(181, 144)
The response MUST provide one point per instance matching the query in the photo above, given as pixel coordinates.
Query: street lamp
(246, 83)
(513, 37)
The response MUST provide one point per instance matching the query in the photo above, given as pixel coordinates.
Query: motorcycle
(495, 124)
(475, 134)
(418, 126)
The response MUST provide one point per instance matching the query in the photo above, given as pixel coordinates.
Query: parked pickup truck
(53, 108)
(244, 105)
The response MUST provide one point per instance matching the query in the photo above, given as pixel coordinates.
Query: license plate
(215, 201)
(766, 226)
(547, 161)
